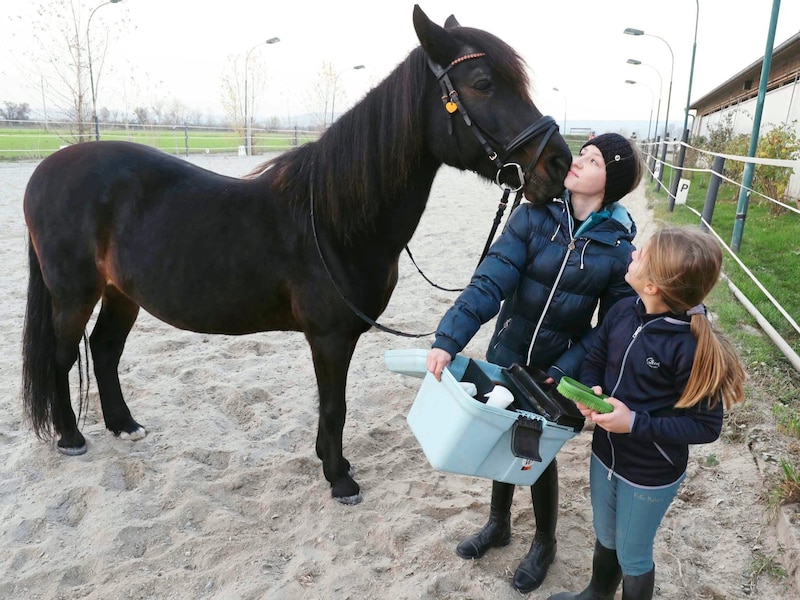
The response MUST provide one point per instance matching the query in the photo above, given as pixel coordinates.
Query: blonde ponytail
(685, 264)
(716, 371)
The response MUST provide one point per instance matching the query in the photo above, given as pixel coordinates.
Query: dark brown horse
(315, 234)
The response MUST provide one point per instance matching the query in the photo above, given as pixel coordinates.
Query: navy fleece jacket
(645, 360)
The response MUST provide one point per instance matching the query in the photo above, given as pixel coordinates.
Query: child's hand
(437, 360)
(585, 410)
(617, 421)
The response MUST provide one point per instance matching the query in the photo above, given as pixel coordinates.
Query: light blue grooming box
(460, 434)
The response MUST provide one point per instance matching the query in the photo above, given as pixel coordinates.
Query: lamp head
(114, 1)
(632, 31)
(357, 67)
(555, 89)
(273, 40)
(633, 61)
(631, 81)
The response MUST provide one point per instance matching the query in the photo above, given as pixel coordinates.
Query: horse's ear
(438, 43)
(451, 22)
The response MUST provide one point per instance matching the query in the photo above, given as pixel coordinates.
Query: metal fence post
(749, 167)
(663, 164)
(678, 171)
(711, 194)
(653, 153)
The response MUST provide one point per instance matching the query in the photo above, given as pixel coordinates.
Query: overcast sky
(179, 48)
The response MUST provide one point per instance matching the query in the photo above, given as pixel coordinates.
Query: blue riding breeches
(626, 517)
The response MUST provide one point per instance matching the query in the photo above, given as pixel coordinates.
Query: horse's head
(483, 117)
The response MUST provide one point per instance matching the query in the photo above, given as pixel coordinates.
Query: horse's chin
(540, 190)
(542, 194)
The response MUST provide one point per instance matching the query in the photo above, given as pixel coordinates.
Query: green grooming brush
(577, 392)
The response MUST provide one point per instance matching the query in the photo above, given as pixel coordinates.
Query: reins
(347, 300)
(544, 126)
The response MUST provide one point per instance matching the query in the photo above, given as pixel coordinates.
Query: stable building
(736, 98)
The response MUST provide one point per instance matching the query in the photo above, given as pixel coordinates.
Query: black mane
(367, 154)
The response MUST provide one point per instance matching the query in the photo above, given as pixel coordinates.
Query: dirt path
(225, 499)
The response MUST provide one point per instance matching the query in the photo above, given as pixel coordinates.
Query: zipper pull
(635, 333)
(571, 244)
(610, 474)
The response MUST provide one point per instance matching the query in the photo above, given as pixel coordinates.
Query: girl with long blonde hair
(669, 376)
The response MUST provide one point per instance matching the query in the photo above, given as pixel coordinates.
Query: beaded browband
(467, 57)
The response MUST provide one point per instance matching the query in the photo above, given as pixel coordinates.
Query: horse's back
(197, 249)
(87, 169)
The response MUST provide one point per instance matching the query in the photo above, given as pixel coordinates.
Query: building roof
(784, 70)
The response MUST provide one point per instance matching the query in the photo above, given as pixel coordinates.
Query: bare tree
(16, 112)
(232, 91)
(323, 94)
(61, 30)
(232, 94)
(142, 115)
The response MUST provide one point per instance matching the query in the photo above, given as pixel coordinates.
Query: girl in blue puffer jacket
(669, 375)
(551, 268)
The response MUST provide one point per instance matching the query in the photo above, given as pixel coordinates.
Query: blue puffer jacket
(645, 360)
(537, 257)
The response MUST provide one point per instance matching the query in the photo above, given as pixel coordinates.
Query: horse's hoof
(349, 500)
(71, 451)
(137, 433)
(346, 491)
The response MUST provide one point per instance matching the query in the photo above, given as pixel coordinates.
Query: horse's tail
(39, 391)
(39, 365)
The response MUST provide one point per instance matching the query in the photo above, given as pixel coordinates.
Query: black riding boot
(639, 587)
(533, 568)
(606, 576)
(497, 531)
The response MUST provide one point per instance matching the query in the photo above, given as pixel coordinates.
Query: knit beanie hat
(623, 171)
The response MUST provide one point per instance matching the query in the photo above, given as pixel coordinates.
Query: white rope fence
(768, 329)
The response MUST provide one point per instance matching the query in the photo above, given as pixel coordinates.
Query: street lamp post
(652, 101)
(633, 61)
(555, 89)
(248, 118)
(685, 133)
(631, 31)
(91, 74)
(336, 81)
(653, 144)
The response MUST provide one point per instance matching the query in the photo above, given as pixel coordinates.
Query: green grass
(763, 564)
(770, 247)
(17, 144)
(787, 488)
(575, 142)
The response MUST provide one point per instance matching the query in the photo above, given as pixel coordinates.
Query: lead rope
(344, 298)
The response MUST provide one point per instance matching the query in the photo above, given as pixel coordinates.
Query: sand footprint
(122, 476)
(71, 509)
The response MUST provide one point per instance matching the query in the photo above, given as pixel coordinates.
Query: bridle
(544, 126)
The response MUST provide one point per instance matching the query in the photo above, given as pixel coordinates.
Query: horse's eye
(482, 85)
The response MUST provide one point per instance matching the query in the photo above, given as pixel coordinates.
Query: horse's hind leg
(54, 326)
(117, 315)
(332, 354)
(69, 327)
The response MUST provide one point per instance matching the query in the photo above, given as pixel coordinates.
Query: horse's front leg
(332, 354)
